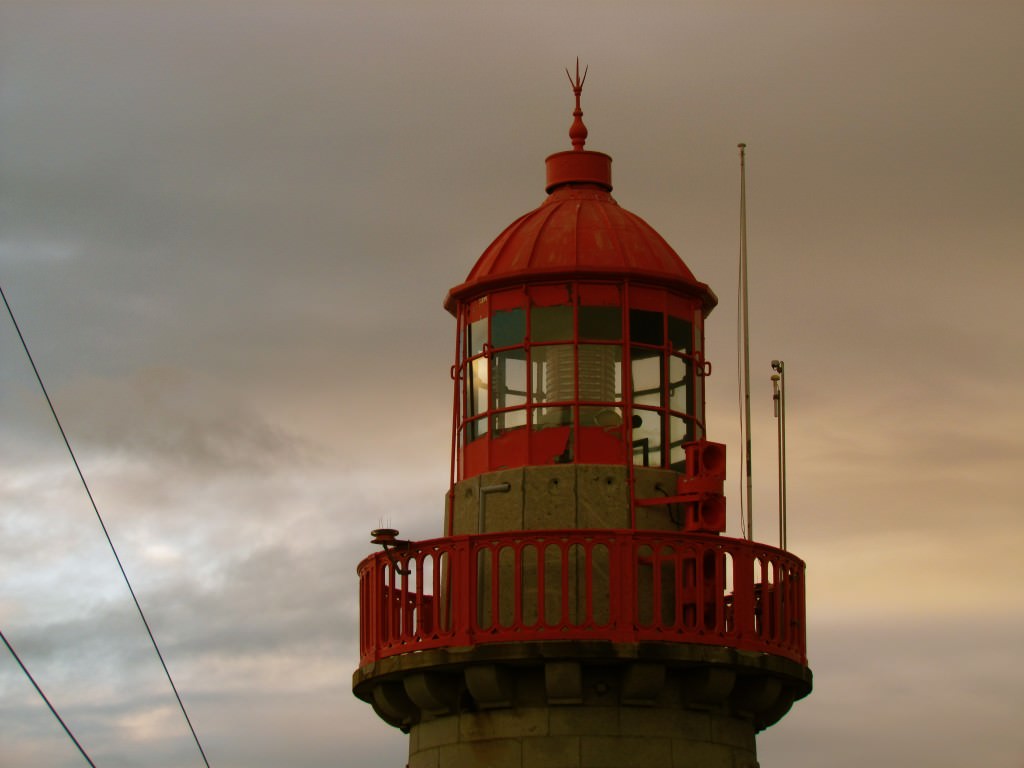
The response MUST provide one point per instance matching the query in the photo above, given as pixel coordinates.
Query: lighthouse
(582, 607)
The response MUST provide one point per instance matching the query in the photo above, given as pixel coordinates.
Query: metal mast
(779, 396)
(745, 310)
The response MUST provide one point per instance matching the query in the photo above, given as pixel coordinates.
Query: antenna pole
(779, 397)
(746, 338)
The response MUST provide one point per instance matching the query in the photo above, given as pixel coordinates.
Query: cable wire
(43, 696)
(106, 533)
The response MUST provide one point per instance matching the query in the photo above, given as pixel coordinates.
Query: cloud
(228, 228)
(902, 680)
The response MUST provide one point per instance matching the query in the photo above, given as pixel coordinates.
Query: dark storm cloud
(179, 421)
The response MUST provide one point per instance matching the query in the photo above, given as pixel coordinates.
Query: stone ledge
(419, 687)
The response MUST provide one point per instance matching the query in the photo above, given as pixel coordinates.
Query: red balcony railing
(615, 585)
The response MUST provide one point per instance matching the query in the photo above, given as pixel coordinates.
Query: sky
(226, 230)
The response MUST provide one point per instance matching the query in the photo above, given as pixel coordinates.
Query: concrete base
(578, 736)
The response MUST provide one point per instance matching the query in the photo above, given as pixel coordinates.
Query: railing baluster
(587, 619)
(542, 597)
(564, 552)
(517, 585)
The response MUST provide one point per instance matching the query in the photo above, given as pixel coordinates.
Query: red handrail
(616, 585)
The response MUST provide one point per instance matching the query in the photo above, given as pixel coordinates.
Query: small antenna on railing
(387, 538)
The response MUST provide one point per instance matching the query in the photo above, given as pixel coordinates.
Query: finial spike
(578, 131)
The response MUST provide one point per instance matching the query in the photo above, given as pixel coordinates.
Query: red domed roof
(579, 232)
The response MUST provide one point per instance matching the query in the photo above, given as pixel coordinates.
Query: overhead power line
(106, 533)
(43, 696)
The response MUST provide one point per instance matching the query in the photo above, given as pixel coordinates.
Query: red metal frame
(616, 585)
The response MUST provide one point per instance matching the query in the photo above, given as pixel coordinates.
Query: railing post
(364, 607)
(622, 572)
(464, 592)
(743, 591)
(377, 594)
(800, 614)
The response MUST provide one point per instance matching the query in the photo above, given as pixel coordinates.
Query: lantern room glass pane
(508, 379)
(680, 374)
(477, 336)
(600, 372)
(554, 373)
(505, 420)
(508, 328)
(604, 416)
(476, 429)
(680, 334)
(646, 370)
(646, 438)
(646, 327)
(601, 323)
(680, 432)
(551, 323)
(553, 416)
(476, 386)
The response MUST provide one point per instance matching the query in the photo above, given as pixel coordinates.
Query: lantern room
(579, 370)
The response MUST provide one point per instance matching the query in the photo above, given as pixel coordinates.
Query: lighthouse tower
(582, 608)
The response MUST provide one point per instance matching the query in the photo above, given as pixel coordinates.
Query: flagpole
(746, 339)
